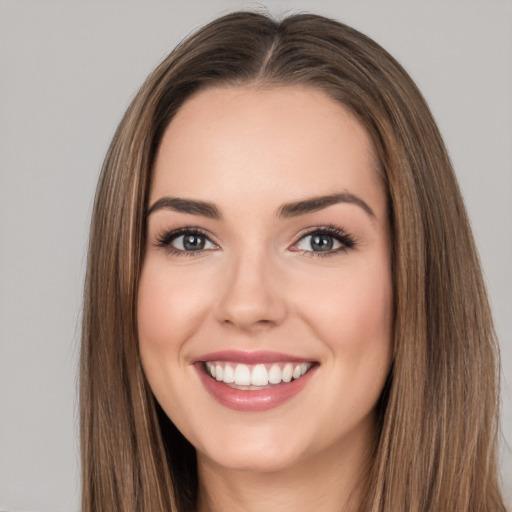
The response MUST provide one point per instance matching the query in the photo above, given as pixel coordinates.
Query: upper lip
(250, 357)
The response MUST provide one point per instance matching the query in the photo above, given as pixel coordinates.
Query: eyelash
(346, 240)
(165, 239)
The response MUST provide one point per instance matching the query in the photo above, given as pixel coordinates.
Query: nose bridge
(250, 295)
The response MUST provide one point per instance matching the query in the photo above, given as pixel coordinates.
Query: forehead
(284, 142)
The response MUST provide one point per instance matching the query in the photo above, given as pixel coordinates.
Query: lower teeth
(249, 388)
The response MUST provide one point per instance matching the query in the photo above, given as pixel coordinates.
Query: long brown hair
(435, 449)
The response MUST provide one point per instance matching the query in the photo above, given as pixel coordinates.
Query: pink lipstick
(253, 381)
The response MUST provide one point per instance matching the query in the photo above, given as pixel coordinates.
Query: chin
(264, 461)
(263, 454)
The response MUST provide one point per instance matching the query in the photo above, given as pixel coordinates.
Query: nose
(251, 298)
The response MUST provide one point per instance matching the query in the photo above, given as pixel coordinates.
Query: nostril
(248, 323)
(249, 298)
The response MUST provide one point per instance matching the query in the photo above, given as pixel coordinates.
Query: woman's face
(268, 259)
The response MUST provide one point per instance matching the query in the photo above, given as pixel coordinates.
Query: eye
(324, 241)
(184, 241)
(192, 242)
(318, 242)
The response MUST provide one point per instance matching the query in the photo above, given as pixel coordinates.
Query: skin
(260, 286)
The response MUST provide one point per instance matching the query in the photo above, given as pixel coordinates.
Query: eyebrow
(318, 203)
(186, 206)
(294, 209)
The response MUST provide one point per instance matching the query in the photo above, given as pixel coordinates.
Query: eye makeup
(324, 241)
(185, 241)
(318, 241)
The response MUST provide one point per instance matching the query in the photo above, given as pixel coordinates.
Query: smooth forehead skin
(256, 130)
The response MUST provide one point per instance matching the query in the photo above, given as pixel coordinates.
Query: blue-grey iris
(322, 242)
(194, 242)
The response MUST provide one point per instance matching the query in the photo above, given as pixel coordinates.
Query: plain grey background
(67, 73)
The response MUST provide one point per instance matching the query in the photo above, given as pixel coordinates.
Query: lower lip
(253, 400)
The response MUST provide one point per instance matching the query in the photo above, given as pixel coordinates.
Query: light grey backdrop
(67, 72)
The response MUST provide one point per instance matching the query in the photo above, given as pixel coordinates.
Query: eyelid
(165, 238)
(337, 242)
(346, 240)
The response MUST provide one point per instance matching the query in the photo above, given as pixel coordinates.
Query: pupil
(193, 242)
(321, 242)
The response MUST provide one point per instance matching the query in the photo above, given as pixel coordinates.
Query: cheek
(154, 327)
(352, 309)
(170, 306)
(353, 315)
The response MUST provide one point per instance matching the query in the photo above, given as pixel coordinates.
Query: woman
(283, 305)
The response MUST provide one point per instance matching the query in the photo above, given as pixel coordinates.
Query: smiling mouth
(252, 377)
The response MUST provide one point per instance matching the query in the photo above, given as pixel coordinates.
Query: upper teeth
(255, 375)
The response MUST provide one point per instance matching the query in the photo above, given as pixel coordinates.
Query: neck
(332, 481)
